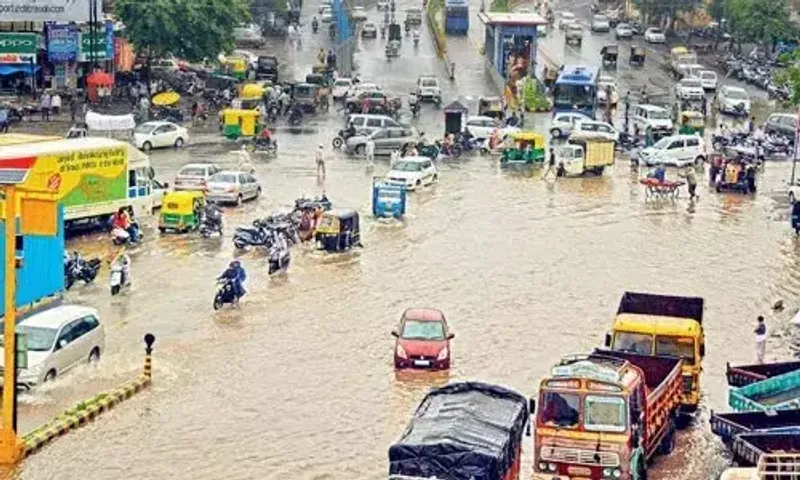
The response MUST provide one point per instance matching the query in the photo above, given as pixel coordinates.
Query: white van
(651, 117)
(367, 124)
(59, 339)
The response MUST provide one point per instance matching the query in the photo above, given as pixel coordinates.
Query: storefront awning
(12, 68)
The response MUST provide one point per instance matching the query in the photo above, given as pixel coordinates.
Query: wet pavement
(298, 382)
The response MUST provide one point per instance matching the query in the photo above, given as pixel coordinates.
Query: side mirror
(531, 405)
(395, 334)
(702, 349)
(451, 336)
(608, 340)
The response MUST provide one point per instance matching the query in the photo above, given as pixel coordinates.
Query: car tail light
(401, 352)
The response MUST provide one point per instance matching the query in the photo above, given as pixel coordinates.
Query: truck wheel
(668, 442)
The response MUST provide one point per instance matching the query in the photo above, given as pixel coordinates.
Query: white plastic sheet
(96, 121)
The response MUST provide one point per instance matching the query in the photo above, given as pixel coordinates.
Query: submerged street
(298, 382)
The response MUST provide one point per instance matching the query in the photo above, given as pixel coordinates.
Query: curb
(81, 414)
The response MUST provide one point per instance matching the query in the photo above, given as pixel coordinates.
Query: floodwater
(298, 382)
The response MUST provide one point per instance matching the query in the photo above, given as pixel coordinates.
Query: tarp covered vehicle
(463, 431)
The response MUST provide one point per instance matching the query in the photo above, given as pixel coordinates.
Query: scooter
(118, 278)
(279, 261)
(257, 236)
(210, 225)
(120, 236)
(295, 117)
(225, 294)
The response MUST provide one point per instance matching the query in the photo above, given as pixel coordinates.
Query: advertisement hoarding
(48, 10)
(101, 44)
(18, 47)
(63, 43)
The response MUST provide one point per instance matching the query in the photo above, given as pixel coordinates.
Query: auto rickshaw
(307, 97)
(338, 231)
(233, 66)
(181, 211)
(237, 123)
(609, 54)
(691, 122)
(491, 107)
(528, 148)
(637, 55)
(324, 82)
(325, 71)
(252, 91)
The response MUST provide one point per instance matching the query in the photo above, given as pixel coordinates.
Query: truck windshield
(682, 347)
(604, 414)
(640, 343)
(560, 409)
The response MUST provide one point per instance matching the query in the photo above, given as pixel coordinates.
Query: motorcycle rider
(264, 138)
(350, 131)
(413, 103)
(123, 261)
(331, 60)
(123, 221)
(415, 36)
(212, 215)
(236, 275)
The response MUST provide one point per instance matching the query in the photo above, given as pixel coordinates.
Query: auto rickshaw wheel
(360, 149)
(337, 142)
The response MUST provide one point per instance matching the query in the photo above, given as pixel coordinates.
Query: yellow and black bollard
(149, 340)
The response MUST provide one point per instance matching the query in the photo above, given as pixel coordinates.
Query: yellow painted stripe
(577, 435)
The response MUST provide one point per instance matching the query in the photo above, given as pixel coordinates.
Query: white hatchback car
(59, 339)
(709, 80)
(689, 89)
(566, 19)
(359, 14)
(564, 123)
(150, 135)
(341, 86)
(326, 15)
(233, 187)
(482, 127)
(675, 151)
(654, 35)
(413, 172)
(590, 129)
(733, 100)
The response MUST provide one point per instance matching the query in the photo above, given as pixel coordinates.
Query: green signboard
(18, 47)
(100, 45)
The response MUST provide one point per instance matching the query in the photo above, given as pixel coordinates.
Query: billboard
(101, 44)
(63, 43)
(48, 10)
(18, 47)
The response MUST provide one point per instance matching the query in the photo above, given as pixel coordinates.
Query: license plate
(422, 363)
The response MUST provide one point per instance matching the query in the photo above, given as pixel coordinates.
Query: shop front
(63, 46)
(18, 61)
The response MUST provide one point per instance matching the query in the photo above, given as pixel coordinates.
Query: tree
(791, 76)
(758, 21)
(666, 9)
(188, 29)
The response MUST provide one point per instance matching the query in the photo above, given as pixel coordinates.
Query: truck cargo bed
(778, 393)
(742, 375)
(662, 305)
(728, 425)
(748, 447)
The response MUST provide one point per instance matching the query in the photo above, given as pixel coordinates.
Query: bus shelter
(510, 43)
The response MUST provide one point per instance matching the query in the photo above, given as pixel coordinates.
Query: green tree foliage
(758, 21)
(791, 76)
(662, 9)
(189, 29)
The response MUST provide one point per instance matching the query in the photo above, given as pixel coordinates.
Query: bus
(575, 90)
(456, 17)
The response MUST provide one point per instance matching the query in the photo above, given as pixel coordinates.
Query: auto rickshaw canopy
(252, 91)
(239, 123)
(612, 49)
(305, 90)
(166, 99)
(536, 140)
(490, 104)
(677, 51)
(183, 202)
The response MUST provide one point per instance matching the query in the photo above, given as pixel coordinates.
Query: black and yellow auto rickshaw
(491, 107)
(691, 122)
(181, 211)
(324, 82)
(338, 231)
(609, 54)
(637, 55)
(306, 96)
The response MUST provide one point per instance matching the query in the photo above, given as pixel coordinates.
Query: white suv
(689, 89)
(428, 89)
(564, 123)
(589, 129)
(675, 151)
(652, 117)
(412, 172)
(59, 339)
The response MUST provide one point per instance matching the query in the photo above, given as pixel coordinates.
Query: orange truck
(604, 415)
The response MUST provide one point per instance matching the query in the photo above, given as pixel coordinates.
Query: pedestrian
(551, 165)
(4, 123)
(704, 107)
(55, 103)
(761, 339)
(365, 104)
(320, 157)
(691, 180)
(395, 157)
(751, 125)
(370, 151)
(73, 107)
(44, 106)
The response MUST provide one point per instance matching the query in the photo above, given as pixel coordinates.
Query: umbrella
(100, 79)
(166, 99)
(252, 91)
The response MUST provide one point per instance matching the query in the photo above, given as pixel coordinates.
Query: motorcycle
(272, 113)
(210, 224)
(295, 117)
(120, 236)
(279, 260)
(76, 268)
(453, 151)
(225, 294)
(261, 146)
(118, 279)
(257, 236)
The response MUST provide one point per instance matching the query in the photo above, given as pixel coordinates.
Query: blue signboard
(63, 43)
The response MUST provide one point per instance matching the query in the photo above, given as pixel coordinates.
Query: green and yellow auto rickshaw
(181, 211)
(691, 122)
(527, 148)
(234, 67)
(238, 123)
(338, 231)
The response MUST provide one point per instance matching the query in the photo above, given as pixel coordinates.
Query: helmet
(235, 264)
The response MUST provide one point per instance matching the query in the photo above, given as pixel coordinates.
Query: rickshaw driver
(350, 131)
(236, 274)
(264, 138)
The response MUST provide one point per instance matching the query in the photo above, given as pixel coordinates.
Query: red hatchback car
(423, 340)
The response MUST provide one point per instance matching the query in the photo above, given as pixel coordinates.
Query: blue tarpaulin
(12, 68)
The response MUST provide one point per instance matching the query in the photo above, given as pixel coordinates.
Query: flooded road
(298, 383)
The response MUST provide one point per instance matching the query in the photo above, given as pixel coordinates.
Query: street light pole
(10, 446)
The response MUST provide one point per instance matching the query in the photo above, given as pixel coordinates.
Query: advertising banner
(63, 43)
(18, 47)
(83, 177)
(101, 44)
(47, 10)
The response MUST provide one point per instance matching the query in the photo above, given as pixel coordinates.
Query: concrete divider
(434, 10)
(84, 412)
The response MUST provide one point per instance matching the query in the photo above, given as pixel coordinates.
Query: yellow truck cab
(663, 325)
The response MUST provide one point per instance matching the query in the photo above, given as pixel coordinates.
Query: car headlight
(401, 352)
(617, 473)
(552, 467)
(443, 354)
(543, 466)
(606, 472)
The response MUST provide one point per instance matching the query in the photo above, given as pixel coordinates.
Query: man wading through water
(551, 165)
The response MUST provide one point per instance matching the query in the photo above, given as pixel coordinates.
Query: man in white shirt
(55, 103)
(320, 157)
(370, 151)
